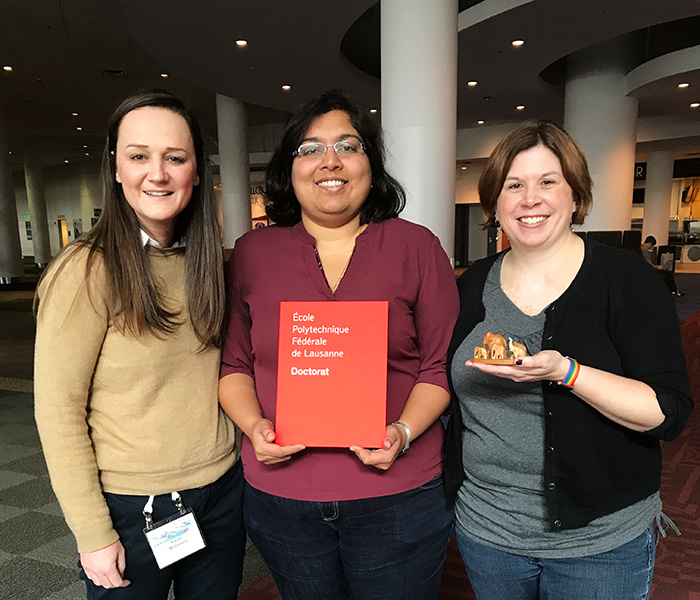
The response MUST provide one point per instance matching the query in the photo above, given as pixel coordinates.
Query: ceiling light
(79, 128)
(464, 168)
(75, 114)
(520, 107)
(695, 105)
(517, 43)
(479, 122)
(84, 145)
(241, 43)
(471, 83)
(373, 110)
(87, 154)
(163, 75)
(685, 84)
(65, 161)
(7, 68)
(286, 88)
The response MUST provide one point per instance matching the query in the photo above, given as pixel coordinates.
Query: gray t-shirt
(501, 502)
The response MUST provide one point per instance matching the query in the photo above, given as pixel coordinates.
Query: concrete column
(604, 121)
(10, 246)
(86, 203)
(657, 197)
(34, 180)
(232, 123)
(419, 107)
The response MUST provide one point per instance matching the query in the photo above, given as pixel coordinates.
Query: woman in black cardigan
(554, 461)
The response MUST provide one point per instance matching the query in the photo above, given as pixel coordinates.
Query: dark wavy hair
(540, 133)
(133, 295)
(386, 198)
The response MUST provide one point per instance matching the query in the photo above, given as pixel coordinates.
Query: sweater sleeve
(71, 325)
(647, 336)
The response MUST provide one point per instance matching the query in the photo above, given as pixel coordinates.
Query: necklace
(333, 287)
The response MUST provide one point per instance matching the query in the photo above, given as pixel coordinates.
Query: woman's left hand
(383, 458)
(546, 365)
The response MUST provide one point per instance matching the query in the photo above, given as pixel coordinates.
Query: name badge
(174, 538)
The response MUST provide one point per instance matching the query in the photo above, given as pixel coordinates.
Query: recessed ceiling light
(7, 68)
(520, 107)
(471, 83)
(65, 161)
(79, 128)
(10, 152)
(87, 154)
(464, 168)
(163, 75)
(286, 88)
(517, 43)
(479, 122)
(241, 43)
(695, 105)
(75, 114)
(84, 145)
(373, 110)
(685, 84)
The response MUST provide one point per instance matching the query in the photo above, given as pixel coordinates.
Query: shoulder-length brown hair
(541, 133)
(386, 198)
(133, 297)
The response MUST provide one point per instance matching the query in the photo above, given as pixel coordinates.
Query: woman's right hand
(105, 567)
(262, 436)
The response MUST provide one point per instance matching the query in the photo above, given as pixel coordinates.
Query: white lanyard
(148, 509)
(174, 538)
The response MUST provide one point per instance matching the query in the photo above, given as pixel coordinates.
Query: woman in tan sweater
(126, 370)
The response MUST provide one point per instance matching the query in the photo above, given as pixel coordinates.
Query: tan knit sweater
(120, 413)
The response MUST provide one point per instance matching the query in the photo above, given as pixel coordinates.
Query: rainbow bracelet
(574, 369)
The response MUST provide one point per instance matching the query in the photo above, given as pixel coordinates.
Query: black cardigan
(616, 316)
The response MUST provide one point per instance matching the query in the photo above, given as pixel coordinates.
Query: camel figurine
(516, 349)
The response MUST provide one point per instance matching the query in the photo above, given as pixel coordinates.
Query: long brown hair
(133, 298)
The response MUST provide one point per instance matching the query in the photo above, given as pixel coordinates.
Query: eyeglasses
(316, 150)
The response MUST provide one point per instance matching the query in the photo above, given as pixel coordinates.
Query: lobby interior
(68, 63)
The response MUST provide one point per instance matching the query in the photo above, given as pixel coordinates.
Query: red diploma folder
(331, 374)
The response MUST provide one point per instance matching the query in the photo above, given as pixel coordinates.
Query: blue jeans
(385, 548)
(623, 573)
(213, 573)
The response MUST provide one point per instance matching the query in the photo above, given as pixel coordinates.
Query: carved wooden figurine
(496, 350)
(480, 352)
(516, 349)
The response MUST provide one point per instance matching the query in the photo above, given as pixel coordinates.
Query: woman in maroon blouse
(337, 522)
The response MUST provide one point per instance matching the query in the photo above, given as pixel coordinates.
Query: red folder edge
(335, 402)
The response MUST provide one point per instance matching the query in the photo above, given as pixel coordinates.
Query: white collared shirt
(147, 240)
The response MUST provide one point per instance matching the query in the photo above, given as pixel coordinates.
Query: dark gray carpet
(38, 556)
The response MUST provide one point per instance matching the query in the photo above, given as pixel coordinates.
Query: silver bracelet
(408, 435)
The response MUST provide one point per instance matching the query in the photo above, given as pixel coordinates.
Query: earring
(497, 223)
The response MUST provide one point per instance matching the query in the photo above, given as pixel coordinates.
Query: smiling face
(331, 190)
(536, 203)
(156, 167)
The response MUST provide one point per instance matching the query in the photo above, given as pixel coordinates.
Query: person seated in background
(649, 254)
